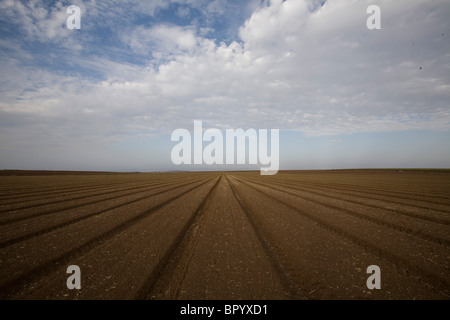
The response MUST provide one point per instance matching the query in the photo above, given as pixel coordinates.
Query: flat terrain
(225, 235)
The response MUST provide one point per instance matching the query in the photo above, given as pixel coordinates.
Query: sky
(108, 96)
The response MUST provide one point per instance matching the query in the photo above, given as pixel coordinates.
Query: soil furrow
(85, 189)
(59, 191)
(281, 264)
(23, 232)
(430, 215)
(14, 210)
(382, 191)
(435, 271)
(434, 231)
(49, 189)
(220, 257)
(419, 199)
(138, 246)
(25, 215)
(162, 264)
(416, 201)
(15, 279)
(231, 235)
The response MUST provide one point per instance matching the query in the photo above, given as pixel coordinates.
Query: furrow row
(20, 231)
(429, 261)
(20, 267)
(58, 206)
(431, 229)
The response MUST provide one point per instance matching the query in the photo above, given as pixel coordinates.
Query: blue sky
(107, 96)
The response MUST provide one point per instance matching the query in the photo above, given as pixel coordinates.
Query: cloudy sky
(108, 96)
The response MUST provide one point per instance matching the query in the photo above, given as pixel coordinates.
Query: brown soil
(233, 235)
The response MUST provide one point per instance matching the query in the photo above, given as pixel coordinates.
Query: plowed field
(226, 235)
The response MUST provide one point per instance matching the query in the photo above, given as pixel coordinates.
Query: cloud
(161, 40)
(37, 21)
(298, 65)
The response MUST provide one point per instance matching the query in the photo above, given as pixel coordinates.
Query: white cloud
(183, 12)
(162, 40)
(296, 67)
(37, 20)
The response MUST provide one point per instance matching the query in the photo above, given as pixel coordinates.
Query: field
(225, 235)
